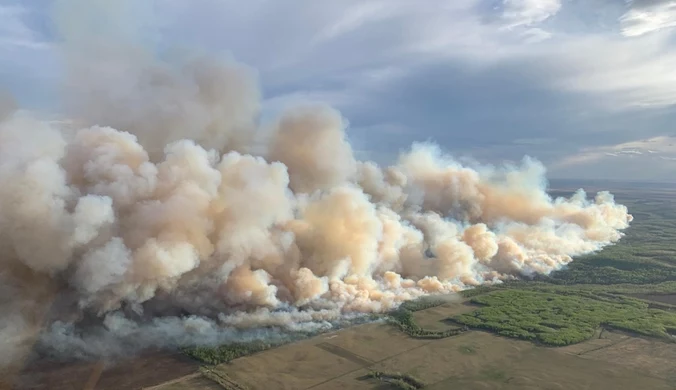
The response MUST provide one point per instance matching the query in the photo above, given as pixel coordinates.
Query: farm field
(135, 373)
(472, 360)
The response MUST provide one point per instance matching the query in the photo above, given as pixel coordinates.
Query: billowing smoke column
(167, 225)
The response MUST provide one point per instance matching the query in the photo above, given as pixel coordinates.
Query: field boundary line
(95, 375)
(374, 363)
(603, 347)
(345, 354)
(189, 376)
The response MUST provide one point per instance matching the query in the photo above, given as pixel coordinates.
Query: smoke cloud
(7, 105)
(153, 219)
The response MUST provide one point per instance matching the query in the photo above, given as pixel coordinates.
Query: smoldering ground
(166, 214)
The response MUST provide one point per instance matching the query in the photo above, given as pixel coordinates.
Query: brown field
(53, 376)
(143, 371)
(650, 357)
(435, 317)
(193, 382)
(602, 339)
(374, 341)
(472, 360)
(542, 368)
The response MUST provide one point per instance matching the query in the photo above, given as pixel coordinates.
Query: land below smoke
(606, 321)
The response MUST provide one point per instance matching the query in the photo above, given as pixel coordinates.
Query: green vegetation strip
(565, 317)
(223, 380)
(665, 288)
(595, 270)
(225, 353)
(421, 304)
(403, 319)
(397, 380)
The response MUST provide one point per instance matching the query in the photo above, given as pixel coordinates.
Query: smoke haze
(166, 216)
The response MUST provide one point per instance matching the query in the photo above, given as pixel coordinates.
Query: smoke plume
(153, 220)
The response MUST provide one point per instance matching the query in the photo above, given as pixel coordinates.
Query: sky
(588, 87)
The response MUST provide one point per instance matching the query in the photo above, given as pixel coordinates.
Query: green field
(558, 319)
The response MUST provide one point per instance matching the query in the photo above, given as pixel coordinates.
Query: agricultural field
(371, 356)
(608, 321)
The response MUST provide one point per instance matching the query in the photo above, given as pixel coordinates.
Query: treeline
(223, 380)
(593, 289)
(421, 304)
(225, 353)
(586, 272)
(479, 290)
(397, 380)
(403, 319)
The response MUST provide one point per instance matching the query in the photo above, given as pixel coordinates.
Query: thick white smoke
(165, 223)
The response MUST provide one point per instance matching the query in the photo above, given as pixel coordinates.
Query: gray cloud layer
(459, 72)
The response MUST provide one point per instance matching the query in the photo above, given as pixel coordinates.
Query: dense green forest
(563, 319)
(225, 353)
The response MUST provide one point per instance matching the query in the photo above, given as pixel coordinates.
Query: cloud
(535, 35)
(355, 17)
(529, 12)
(617, 74)
(534, 141)
(463, 72)
(648, 16)
(643, 159)
(630, 152)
